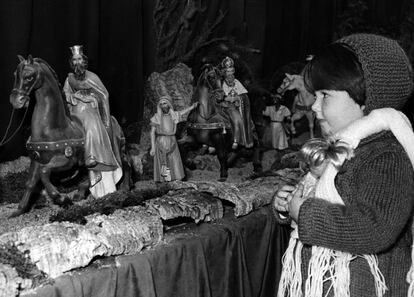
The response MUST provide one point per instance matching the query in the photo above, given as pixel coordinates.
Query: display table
(229, 257)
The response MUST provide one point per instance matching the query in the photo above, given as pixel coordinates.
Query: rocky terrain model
(200, 206)
(247, 195)
(58, 247)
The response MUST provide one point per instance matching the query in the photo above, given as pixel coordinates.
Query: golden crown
(77, 50)
(227, 63)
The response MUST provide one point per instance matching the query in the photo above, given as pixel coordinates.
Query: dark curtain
(119, 41)
(111, 31)
(295, 29)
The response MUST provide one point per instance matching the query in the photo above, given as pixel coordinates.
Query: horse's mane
(41, 61)
(203, 79)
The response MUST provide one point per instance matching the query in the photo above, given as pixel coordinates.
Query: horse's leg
(126, 171)
(219, 144)
(82, 188)
(257, 156)
(51, 190)
(184, 147)
(222, 157)
(60, 162)
(295, 117)
(311, 119)
(34, 176)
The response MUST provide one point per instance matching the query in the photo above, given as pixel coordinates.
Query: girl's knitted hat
(387, 70)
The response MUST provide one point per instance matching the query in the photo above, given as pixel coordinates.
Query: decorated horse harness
(66, 146)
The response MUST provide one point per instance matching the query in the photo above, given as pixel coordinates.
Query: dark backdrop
(110, 30)
(118, 39)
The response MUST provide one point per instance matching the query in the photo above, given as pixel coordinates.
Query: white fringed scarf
(330, 265)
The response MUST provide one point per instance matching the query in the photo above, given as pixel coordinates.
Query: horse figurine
(302, 105)
(208, 124)
(57, 141)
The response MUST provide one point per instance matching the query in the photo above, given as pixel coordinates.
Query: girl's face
(335, 110)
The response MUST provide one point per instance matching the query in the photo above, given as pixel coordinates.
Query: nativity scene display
(75, 140)
(240, 157)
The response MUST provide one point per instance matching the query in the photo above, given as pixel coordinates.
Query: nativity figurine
(302, 104)
(237, 105)
(278, 113)
(168, 165)
(88, 101)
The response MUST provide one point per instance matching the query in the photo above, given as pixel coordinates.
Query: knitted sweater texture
(377, 187)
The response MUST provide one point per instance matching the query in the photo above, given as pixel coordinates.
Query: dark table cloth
(230, 257)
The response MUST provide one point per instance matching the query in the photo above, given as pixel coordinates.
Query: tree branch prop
(175, 38)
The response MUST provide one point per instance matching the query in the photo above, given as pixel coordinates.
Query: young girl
(278, 113)
(325, 157)
(368, 211)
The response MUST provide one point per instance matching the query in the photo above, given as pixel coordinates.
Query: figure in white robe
(278, 114)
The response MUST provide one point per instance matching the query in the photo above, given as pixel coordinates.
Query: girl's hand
(152, 152)
(280, 199)
(295, 201)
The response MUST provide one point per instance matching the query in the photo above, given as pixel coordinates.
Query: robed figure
(167, 159)
(88, 101)
(237, 105)
(277, 114)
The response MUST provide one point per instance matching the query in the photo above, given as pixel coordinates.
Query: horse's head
(209, 82)
(292, 82)
(26, 79)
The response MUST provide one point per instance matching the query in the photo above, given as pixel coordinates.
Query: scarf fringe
(291, 279)
(297, 283)
(319, 266)
(380, 286)
(341, 277)
(410, 275)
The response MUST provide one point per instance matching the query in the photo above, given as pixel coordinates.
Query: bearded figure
(87, 98)
(167, 160)
(237, 106)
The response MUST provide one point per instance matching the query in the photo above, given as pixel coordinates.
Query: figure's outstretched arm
(184, 113)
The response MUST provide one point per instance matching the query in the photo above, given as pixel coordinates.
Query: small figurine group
(235, 103)
(278, 113)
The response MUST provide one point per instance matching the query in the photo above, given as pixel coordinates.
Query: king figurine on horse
(60, 141)
(88, 101)
(237, 105)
